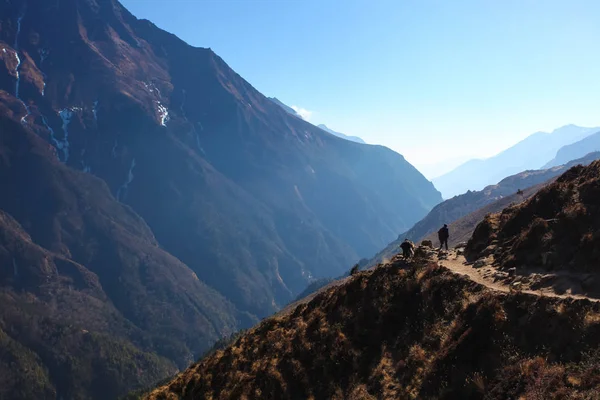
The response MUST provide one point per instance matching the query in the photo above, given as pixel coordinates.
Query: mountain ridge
(576, 150)
(343, 136)
(532, 152)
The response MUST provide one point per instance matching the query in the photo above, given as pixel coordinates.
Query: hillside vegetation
(408, 332)
(558, 228)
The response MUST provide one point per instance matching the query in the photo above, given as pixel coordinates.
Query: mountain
(401, 331)
(287, 108)
(576, 150)
(92, 307)
(531, 153)
(153, 201)
(293, 112)
(338, 134)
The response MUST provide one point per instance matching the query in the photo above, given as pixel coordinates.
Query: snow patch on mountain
(66, 115)
(113, 152)
(122, 192)
(163, 113)
(95, 111)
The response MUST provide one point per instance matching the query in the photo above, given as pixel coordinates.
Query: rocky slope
(462, 229)
(556, 230)
(529, 154)
(463, 213)
(408, 332)
(576, 150)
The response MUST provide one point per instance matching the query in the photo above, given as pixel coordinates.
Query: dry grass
(406, 334)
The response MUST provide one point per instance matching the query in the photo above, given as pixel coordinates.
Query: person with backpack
(407, 248)
(444, 235)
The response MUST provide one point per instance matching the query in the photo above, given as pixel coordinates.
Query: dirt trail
(457, 265)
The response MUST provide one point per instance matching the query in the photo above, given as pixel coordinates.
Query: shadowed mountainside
(88, 297)
(254, 201)
(154, 202)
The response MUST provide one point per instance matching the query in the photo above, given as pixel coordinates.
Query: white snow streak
(16, 47)
(66, 115)
(122, 192)
(52, 137)
(86, 168)
(194, 130)
(151, 87)
(95, 111)
(18, 70)
(43, 55)
(163, 113)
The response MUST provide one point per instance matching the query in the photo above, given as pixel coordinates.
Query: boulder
(461, 245)
(491, 249)
(427, 243)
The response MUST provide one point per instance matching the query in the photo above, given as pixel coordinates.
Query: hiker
(443, 235)
(407, 248)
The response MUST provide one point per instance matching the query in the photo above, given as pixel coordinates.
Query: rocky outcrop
(554, 231)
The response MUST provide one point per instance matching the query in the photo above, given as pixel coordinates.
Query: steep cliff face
(253, 200)
(91, 305)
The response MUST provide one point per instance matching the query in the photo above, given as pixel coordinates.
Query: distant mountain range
(338, 134)
(532, 153)
(293, 112)
(287, 108)
(576, 150)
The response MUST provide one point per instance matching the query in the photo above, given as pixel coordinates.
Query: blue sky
(437, 81)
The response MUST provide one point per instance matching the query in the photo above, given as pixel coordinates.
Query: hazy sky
(434, 80)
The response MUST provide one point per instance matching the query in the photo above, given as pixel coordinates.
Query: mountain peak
(177, 198)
